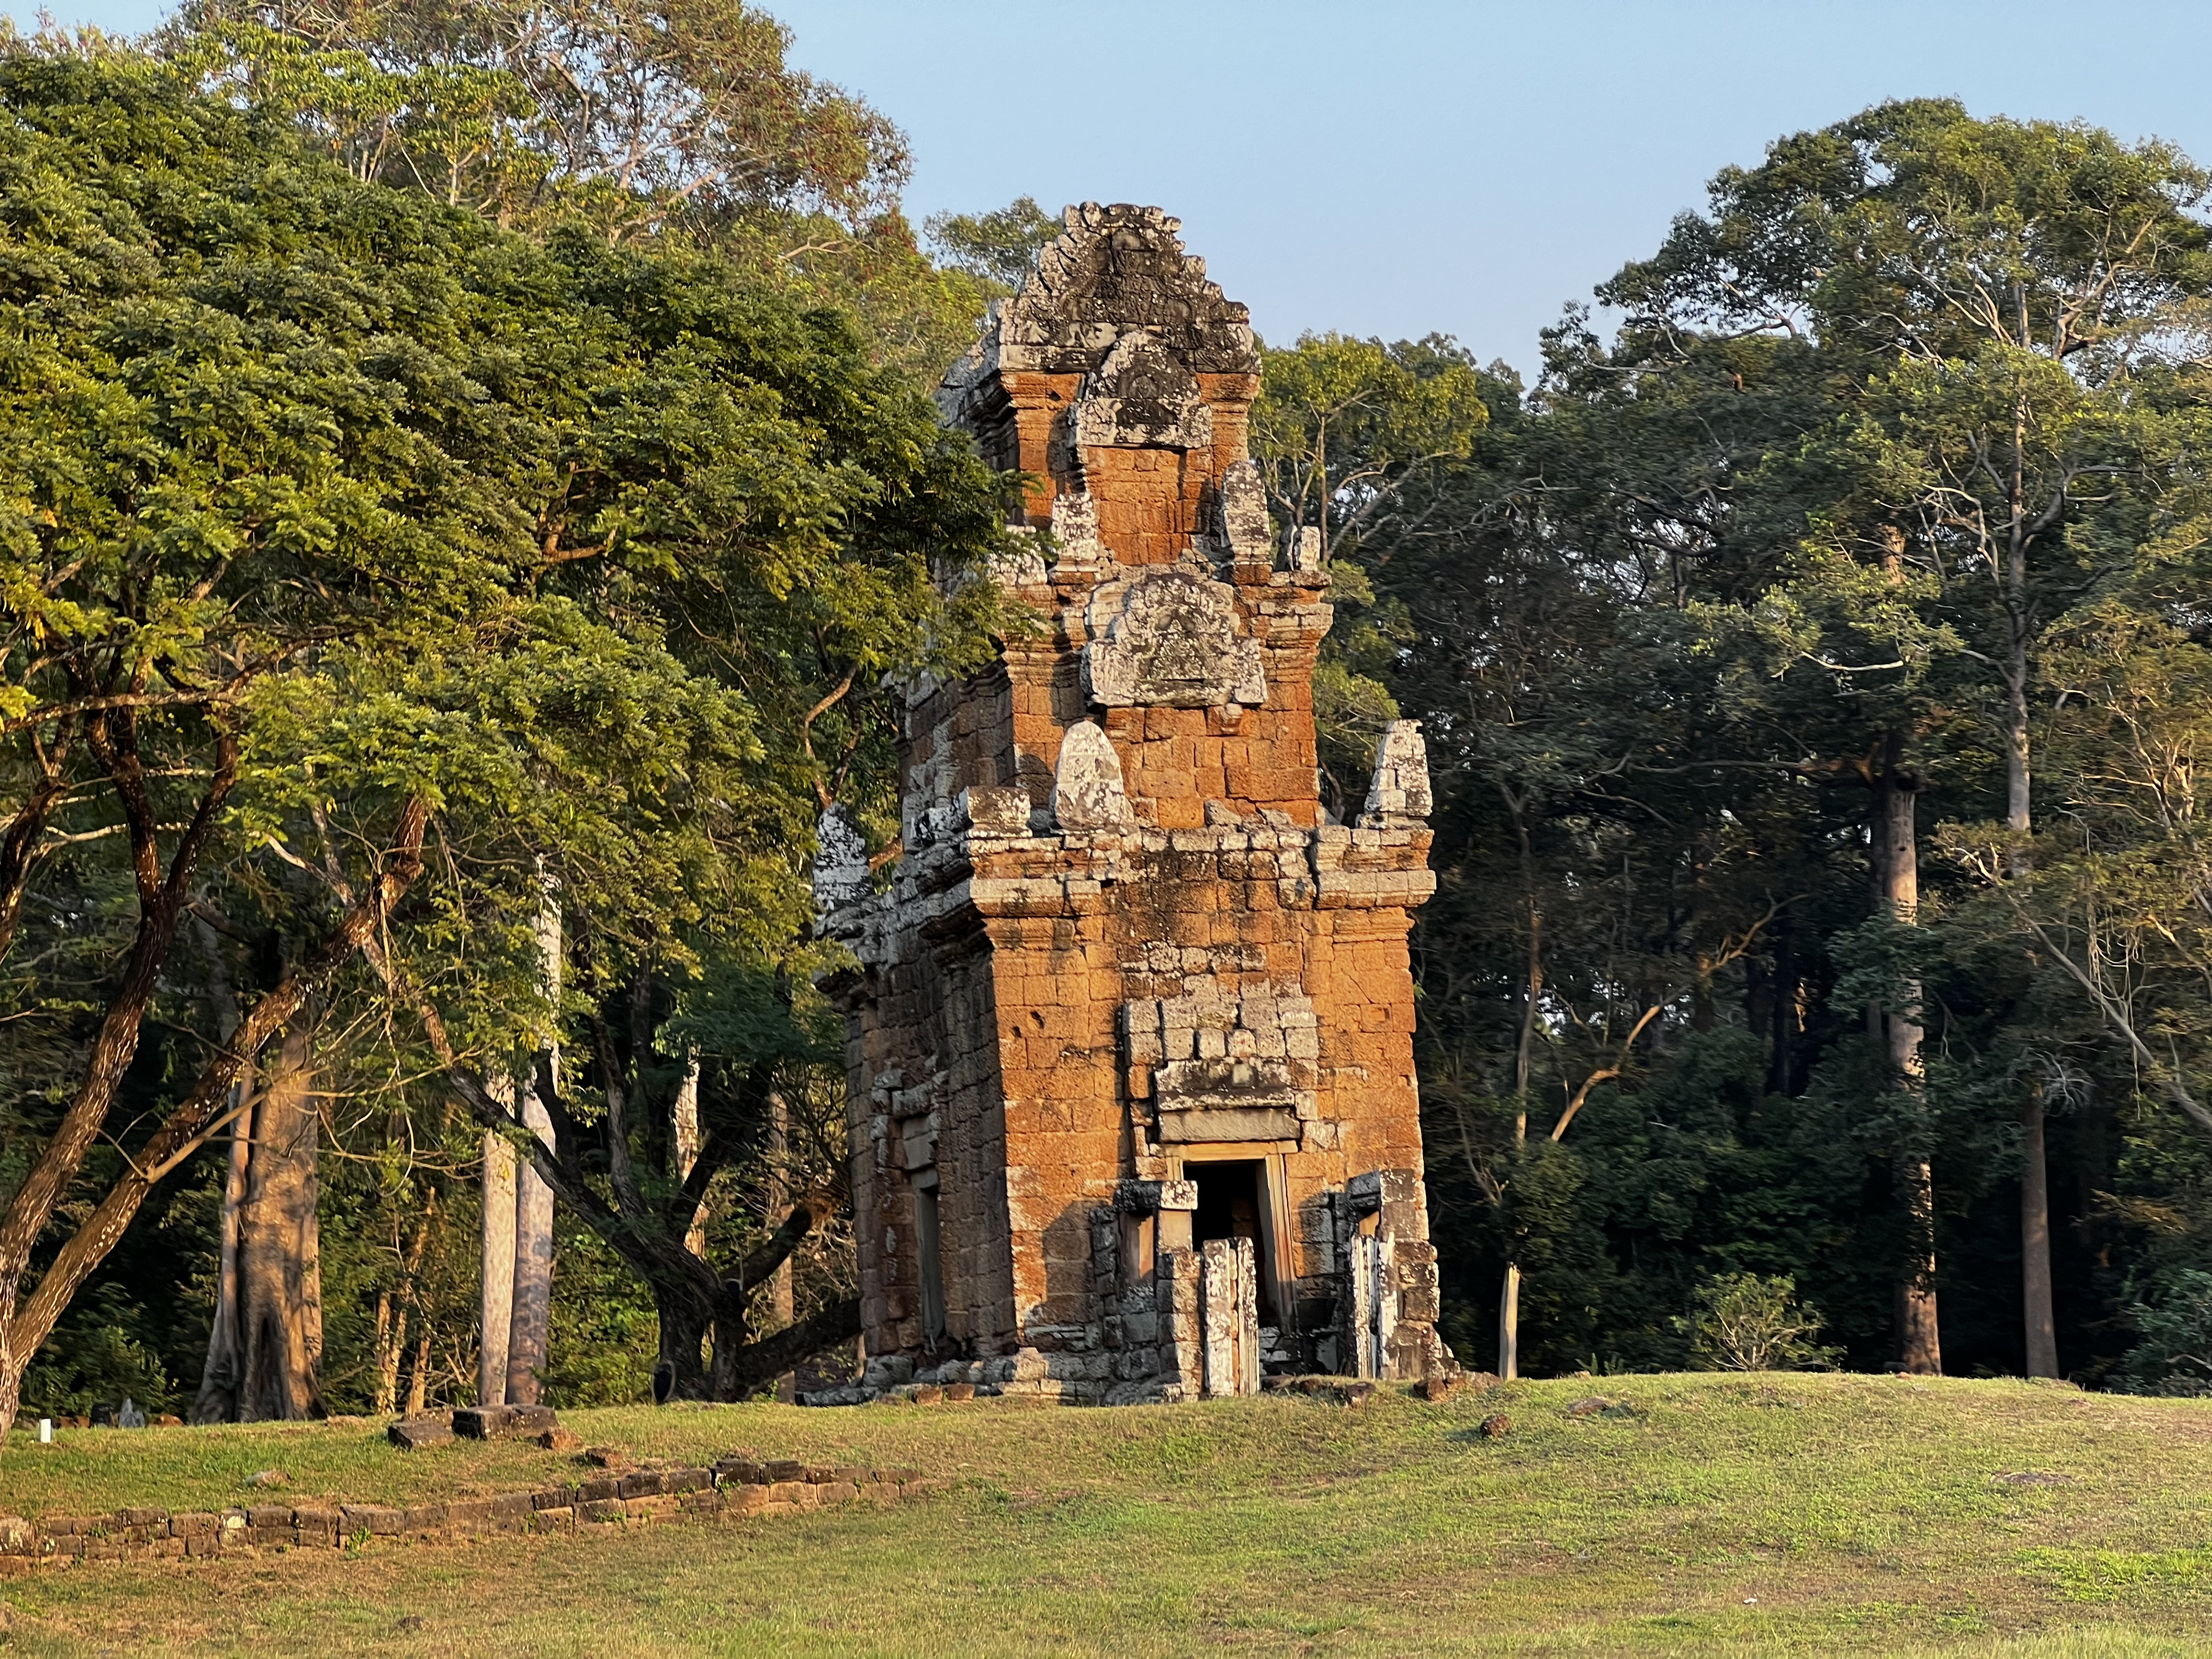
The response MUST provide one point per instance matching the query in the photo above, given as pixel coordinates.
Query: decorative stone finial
(1401, 786)
(1243, 532)
(841, 862)
(1087, 793)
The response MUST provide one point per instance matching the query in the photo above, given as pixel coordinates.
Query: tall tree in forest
(1998, 286)
(265, 1344)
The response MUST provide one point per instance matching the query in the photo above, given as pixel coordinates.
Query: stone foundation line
(734, 1487)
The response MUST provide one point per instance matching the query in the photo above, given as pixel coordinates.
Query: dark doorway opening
(1231, 1199)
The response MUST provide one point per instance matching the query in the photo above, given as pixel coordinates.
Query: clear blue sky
(1394, 167)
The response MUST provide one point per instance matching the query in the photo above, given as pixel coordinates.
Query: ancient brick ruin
(1130, 1044)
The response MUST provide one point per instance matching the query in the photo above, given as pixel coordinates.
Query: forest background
(472, 478)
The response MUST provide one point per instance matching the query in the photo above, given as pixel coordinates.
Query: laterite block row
(734, 1486)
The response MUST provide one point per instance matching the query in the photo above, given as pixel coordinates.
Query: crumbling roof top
(1114, 269)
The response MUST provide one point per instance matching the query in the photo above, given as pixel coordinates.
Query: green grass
(1809, 1515)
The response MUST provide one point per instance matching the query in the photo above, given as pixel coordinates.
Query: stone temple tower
(1130, 1042)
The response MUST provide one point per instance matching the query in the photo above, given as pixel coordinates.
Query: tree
(999, 248)
(644, 123)
(344, 514)
(1343, 425)
(641, 115)
(2002, 285)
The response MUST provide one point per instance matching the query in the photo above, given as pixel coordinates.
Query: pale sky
(1397, 167)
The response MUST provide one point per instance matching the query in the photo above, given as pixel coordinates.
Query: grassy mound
(1692, 1515)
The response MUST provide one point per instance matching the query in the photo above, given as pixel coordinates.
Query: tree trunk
(418, 1383)
(226, 1358)
(279, 1266)
(681, 1373)
(686, 1114)
(2035, 1246)
(218, 1401)
(530, 1328)
(1508, 1325)
(528, 1334)
(1532, 989)
(2041, 1328)
(783, 1304)
(390, 1351)
(740, 1369)
(495, 1302)
(1897, 871)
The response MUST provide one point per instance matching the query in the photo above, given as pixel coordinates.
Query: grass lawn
(1796, 1514)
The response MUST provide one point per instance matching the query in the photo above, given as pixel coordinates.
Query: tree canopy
(470, 502)
(345, 524)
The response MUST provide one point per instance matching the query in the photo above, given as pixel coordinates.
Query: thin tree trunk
(686, 1114)
(390, 1352)
(530, 1331)
(418, 1384)
(2035, 1246)
(219, 1377)
(394, 1310)
(528, 1334)
(1509, 1324)
(1508, 1297)
(2041, 1327)
(495, 1301)
(1897, 868)
(781, 1302)
(279, 1274)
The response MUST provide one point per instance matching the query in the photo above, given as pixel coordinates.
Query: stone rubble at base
(1124, 949)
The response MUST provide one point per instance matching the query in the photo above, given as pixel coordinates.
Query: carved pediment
(1142, 397)
(1171, 637)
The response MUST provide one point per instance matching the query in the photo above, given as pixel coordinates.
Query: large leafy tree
(645, 123)
(347, 532)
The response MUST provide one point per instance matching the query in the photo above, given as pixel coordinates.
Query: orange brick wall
(1000, 967)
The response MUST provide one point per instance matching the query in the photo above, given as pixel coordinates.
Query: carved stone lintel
(1087, 792)
(1142, 397)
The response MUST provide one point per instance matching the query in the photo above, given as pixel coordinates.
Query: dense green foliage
(339, 497)
(1896, 463)
(377, 430)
